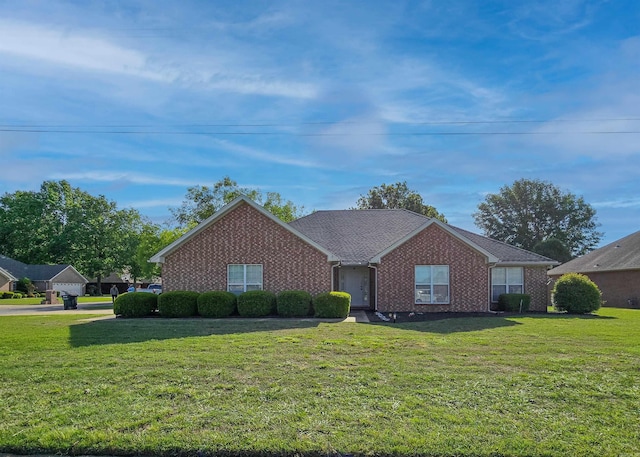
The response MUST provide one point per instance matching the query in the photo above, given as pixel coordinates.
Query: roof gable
(161, 255)
(623, 254)
(33, 272)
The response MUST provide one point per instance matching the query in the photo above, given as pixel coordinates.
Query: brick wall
(244, 235)
(468, 273)
(535, 284)
(617, 287)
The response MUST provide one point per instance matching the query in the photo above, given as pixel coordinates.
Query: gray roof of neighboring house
(623, 254)
(357, 236)
(33, 272)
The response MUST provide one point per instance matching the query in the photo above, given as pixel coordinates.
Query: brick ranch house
(615, 268)
(388, 260)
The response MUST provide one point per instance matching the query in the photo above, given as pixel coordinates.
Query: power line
(294, 124)
(166, 132)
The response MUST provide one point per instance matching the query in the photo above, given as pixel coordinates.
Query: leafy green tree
(63, 224)
(151, 240)
(531, 211)
(397, 196)
(202, 201)
(554, 249)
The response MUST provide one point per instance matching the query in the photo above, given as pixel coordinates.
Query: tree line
(61, 224)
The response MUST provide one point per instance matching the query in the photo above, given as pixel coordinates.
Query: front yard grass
(540, 385)
(38, 300)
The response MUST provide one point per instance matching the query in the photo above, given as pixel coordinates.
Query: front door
(355, 281)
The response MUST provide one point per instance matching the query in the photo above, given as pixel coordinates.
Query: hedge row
(219, 304)
(514, 302)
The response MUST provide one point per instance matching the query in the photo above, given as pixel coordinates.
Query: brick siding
(468, 273)
(535, 284)
(617, 287)
(245, 236)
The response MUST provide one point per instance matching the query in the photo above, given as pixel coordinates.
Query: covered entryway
(357, 282)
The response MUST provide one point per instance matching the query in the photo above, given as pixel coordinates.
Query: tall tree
(202, 201)
(151, 240)
(531, 211)
(397, 196)
(63, 224)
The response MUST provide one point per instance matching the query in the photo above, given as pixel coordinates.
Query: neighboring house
(106, 283)
(64, 278)
(388, 260)
(615, 268)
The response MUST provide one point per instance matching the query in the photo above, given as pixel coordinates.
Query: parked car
(152, 288)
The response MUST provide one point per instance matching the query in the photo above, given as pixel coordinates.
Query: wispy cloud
(133, 178)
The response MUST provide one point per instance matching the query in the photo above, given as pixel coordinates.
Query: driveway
(36, 310)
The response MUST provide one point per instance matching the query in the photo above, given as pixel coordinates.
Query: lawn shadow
(445, 323)
(124, 331)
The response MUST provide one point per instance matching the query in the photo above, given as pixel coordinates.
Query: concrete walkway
(99, 308)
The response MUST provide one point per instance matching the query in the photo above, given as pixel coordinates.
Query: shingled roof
(623, 254)
(33, 272)
(358, 236)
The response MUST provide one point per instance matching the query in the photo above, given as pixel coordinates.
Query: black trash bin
(70, 301)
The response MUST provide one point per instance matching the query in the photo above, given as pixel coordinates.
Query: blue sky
(320, 101)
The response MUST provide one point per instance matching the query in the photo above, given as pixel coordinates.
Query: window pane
(254, 274)
(514, 275)
(254, 286)
(440, 294)
(236, 274)
(496, 291)
(515, 289)
(498, 276)
(236, 289)
(423, 294)
(441, 275)
(423, 274)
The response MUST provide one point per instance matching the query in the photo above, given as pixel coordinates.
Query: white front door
(355, 281)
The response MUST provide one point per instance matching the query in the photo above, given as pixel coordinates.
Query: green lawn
(533, 385)
(37, 301)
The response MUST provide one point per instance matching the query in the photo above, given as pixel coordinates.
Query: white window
(506, 280)
(241, 278)
(432, 284)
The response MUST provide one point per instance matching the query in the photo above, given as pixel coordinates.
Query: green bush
(177, 303)
(6, 295)
(332, 304)
(217, 304)
(294, 303)
(135, 304)
(17, 295)
(256, 303)
(511, 302)
(25, 286)
(576, 294)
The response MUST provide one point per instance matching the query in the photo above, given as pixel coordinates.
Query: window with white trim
(506, 280)
(244, 277)
(431, 284)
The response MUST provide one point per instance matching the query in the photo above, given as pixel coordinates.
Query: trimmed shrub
(6, 295)
(217, 304)
(511, 302)
(294, 303)
(17, 295)
(177, 303)
(576, 294)
(332, 305)
(256, 303)
(135, 305)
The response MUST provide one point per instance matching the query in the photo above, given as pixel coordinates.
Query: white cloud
(132, 178)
